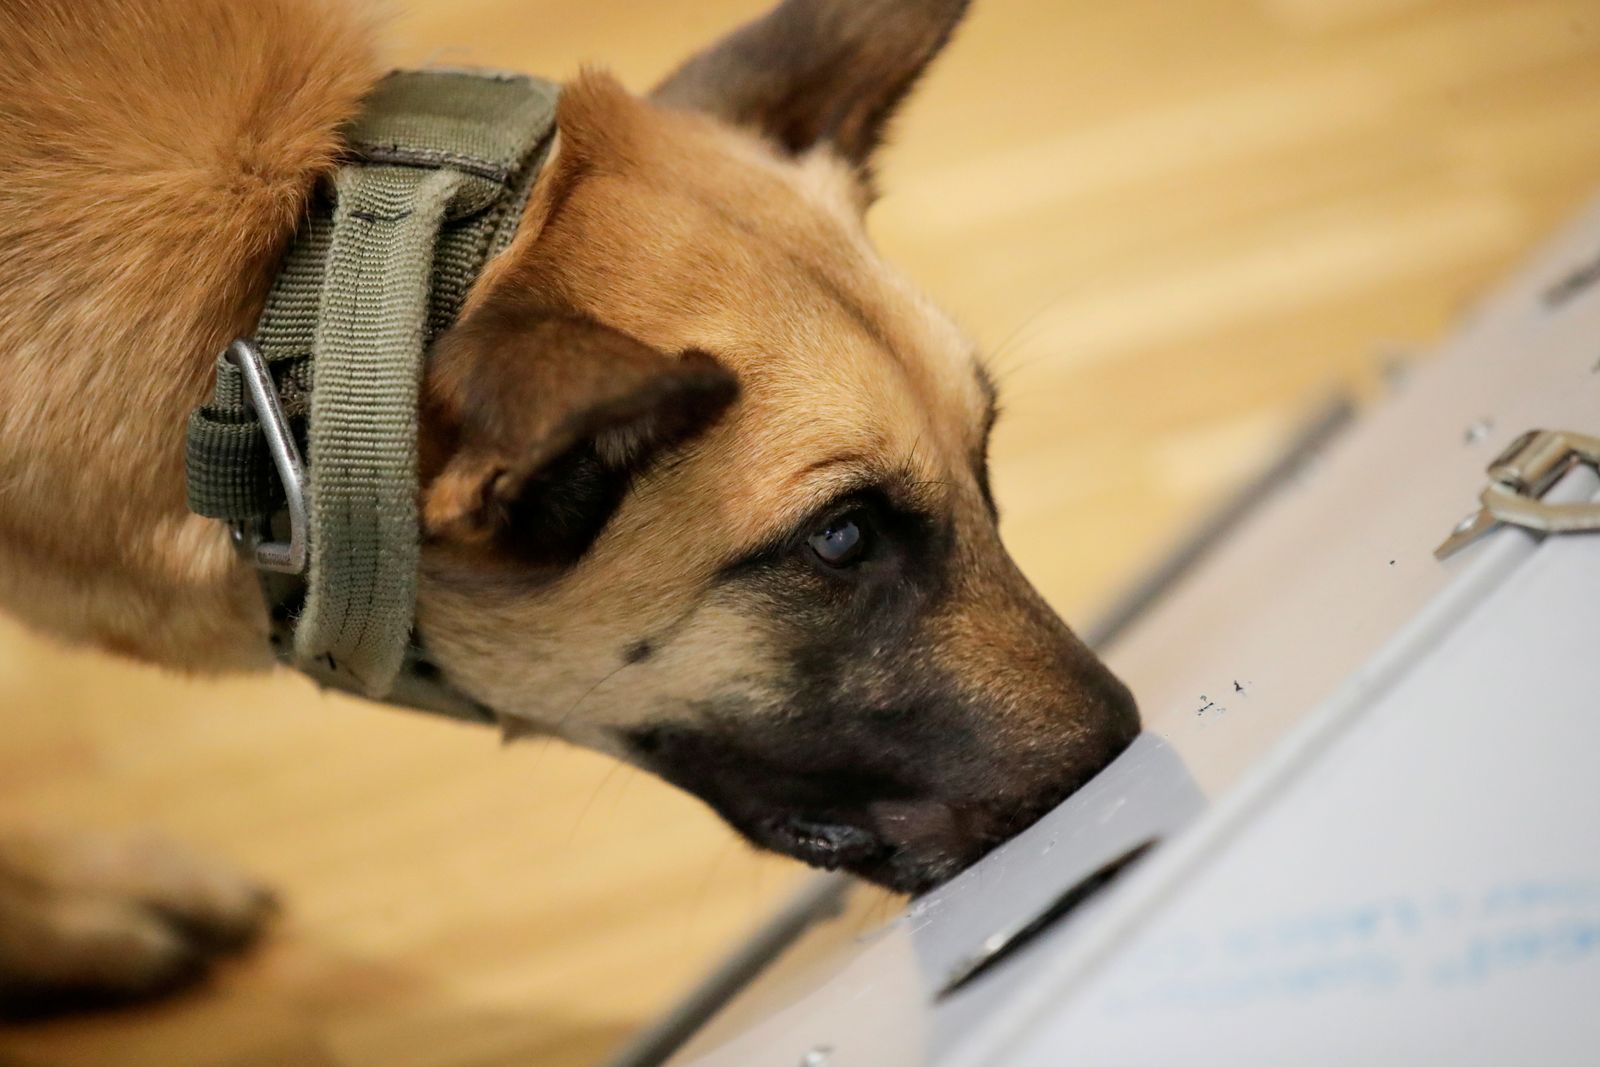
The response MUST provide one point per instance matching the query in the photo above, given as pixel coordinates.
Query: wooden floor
(1175, 225)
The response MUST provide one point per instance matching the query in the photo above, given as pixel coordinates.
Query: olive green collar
(440, 165)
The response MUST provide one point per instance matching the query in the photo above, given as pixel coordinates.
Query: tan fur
(688, 234)
(155, 157)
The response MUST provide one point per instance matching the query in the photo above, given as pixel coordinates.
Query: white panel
(1470, 778)
(1334, 565)
(1429, 892)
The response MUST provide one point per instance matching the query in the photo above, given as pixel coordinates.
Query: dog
(703, 480)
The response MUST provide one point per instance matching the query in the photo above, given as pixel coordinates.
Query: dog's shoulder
(157, 155)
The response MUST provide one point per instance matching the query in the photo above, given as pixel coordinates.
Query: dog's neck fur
(157, 159)
(439, 169)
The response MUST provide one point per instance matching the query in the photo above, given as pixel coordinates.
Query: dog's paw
(95, 920)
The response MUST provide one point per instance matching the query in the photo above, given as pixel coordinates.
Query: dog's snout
(1109, 713)
(1041, 757)
(1081, 727)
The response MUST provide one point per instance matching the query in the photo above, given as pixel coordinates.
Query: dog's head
(705, 480)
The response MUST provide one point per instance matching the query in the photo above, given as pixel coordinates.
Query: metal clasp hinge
(261, 396)
(1522, 474)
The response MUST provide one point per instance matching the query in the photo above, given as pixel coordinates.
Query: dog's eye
(839, 543)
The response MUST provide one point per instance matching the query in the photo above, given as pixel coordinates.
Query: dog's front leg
(90, 919)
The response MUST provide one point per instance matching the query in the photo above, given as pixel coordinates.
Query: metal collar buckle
(261, 396)
(1522, 474)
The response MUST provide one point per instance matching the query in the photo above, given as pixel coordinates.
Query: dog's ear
(817, 71)
(534, 422)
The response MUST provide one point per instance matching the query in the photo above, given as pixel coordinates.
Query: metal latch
(1522, 474)
(261, 395)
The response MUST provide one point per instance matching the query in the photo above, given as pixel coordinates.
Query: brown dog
(703, 483)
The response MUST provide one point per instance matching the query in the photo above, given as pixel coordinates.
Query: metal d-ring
(261, 396)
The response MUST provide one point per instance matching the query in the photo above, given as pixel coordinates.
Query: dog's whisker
(656, 642)
(1014, 338)
(562, 721)
(697, 909)
(1016, 369)
(588, 805)
(629, 773)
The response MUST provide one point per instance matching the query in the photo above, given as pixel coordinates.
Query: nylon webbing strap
(440, 165)
(363, 478)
